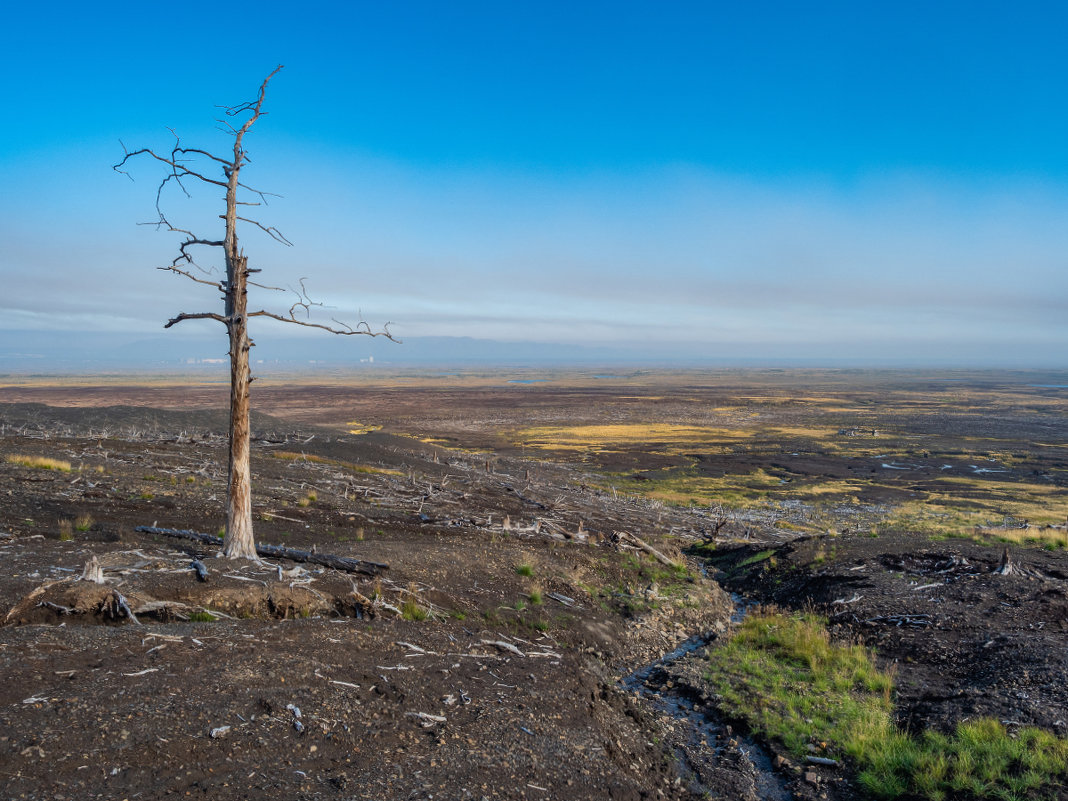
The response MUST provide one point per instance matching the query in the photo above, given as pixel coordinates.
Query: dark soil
(507, 689)
(964, 640)
(535, 611)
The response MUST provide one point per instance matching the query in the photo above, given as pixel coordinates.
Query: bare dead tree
(191, 164)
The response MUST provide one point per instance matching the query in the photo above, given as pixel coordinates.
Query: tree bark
(239, 542)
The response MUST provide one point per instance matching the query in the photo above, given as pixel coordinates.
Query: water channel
(708, 736)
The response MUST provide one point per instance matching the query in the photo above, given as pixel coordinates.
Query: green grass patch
(756, 558)
(524, 570)
(981, 759)
(791, 683)
(200, 616)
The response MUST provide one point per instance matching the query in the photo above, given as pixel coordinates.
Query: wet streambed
(708, 751)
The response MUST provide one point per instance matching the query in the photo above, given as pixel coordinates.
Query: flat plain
(518, 513)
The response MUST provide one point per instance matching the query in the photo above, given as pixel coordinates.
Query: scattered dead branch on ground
(348, 564)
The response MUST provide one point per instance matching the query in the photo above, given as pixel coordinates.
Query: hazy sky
(789, 178)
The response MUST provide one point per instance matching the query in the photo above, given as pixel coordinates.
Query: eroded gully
(711, 757)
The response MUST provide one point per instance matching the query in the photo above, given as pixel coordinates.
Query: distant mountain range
(36, 351)
(65, 351)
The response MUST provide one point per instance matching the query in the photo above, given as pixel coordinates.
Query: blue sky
(804, 180)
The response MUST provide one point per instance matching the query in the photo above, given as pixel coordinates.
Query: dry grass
(41, 462)
(361, 428)
(623, 434)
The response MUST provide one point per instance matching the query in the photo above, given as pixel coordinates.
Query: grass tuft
(411, 608)
(524, 570)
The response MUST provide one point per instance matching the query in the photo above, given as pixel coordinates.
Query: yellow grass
(361, 428)
(592, 436)
(42, 462)
(737, 491)
(800, 431)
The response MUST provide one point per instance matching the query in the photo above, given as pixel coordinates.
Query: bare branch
(303, 301)
(262, 195)
(198, 316)
(179, 271)
(266, 286)
(179, 170)
(270, 230)
(362, 328)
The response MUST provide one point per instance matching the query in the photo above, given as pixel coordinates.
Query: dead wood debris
(912, 621)
(348, 564)
(92, 571)
(660, 557)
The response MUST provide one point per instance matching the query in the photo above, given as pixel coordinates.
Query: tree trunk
(239, 542)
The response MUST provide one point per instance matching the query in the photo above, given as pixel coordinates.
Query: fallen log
(649, 549)
(345, 563)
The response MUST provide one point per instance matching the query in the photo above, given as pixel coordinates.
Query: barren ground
(488, 660)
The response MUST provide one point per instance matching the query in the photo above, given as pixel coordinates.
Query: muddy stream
(708, 746)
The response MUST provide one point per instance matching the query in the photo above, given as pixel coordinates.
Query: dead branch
(649, 549)
(348, 564)
(120, 604)
(200, 568)
(504, 646)
(362, 328)
(198, 316)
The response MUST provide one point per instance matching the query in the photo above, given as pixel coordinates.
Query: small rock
(812, 778)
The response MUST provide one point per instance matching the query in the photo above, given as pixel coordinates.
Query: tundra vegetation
(783, 676)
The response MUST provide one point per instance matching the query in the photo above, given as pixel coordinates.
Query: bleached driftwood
(504, 646)
(120, 604)
(92, 571)
(649, 549)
